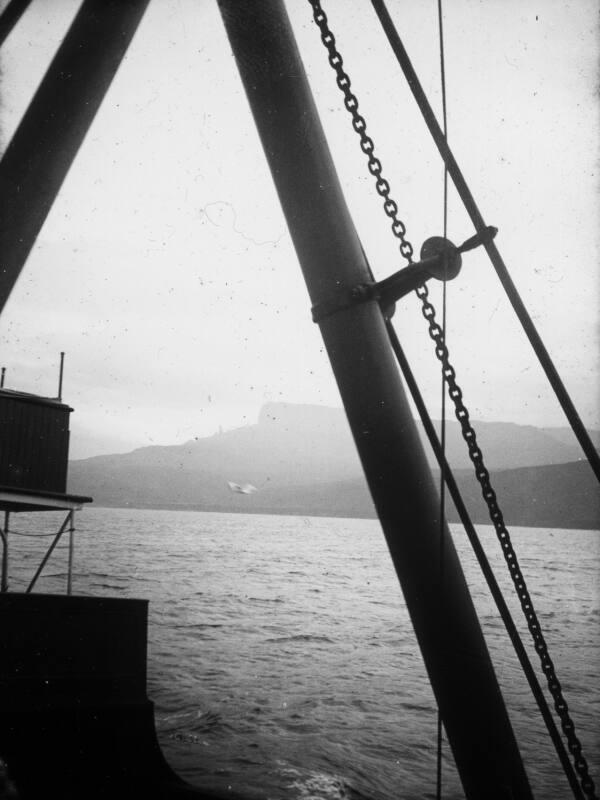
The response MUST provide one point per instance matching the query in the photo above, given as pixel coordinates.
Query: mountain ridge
(306, 452)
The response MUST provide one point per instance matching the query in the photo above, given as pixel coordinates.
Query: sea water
(281, 657)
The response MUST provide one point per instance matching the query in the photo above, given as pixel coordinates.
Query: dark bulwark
(75, 720)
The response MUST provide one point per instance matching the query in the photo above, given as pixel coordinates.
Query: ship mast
(334, 265)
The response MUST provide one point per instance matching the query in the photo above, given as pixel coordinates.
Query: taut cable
(440, 727)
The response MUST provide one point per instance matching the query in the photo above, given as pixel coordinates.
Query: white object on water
(245, 488)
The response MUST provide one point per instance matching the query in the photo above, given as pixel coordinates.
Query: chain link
(496, 516)
(360, 126)
(455, 393)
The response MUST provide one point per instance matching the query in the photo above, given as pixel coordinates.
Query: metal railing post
(71, 548)
(49, 552)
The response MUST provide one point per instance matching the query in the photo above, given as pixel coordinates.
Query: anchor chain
(497, 519)
(455, 393)
(360, 126)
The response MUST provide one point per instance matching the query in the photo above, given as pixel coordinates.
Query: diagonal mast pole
(54, 126)
(11, 14)
(327, 245)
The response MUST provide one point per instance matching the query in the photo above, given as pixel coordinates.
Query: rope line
(440, 727)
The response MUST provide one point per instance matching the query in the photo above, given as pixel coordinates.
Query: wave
(111, 586)
(300, 637)
(265, 599)
(321, 786)
(182, 626)
(338, 649)
(187, 725)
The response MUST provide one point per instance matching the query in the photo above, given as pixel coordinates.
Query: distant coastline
(561, 497)
(303, 462)
(321, 515)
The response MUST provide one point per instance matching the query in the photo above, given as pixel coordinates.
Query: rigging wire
(462, 414)
(476, 217)
(440, 731)
(406, 250)
(497, 519)
(484, 565)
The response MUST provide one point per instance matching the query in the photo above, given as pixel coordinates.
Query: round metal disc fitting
(448, 265)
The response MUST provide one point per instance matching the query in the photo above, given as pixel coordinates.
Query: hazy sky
(165, 270)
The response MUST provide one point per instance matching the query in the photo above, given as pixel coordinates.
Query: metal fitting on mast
(440, 259)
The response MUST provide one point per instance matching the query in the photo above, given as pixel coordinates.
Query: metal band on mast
(356, 339)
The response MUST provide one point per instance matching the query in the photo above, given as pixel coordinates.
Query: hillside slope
(302, 460)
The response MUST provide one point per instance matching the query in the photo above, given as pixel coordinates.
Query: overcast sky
(165, 269)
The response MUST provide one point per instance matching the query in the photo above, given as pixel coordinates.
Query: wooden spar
(401, 485)
(42, 150)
